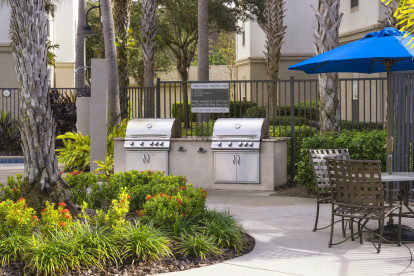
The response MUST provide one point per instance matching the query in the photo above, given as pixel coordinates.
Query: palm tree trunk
(148, 32)
(28, 33)
(80, 48)
(122, 10)
(203, 49)
(326, 39)
(114, 112)
(275, 32)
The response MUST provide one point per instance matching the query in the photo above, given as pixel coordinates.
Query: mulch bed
(140, 268)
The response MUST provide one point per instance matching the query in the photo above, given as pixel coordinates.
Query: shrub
(145, 242)
(80, 184)
(199, 129)
(285, 121)
(9, 133)
(359, 125)
(197, 245)
(11, 190)
(177, 111)
(255, 112)
(365, 145)
(16, 217)
(12, 247)
(224, 228)
(55, 220)
(307, 109)
(76, 153)
(163, 208)
(64, 111)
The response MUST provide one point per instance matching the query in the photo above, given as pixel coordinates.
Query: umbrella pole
(390, 143)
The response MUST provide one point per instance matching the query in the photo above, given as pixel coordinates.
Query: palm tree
(203, 48)
(148, 33)
(29, 39)
(122, 16)
(275, 32)
(80, 47)
(390, 13)
(326, 38)
(114, 112)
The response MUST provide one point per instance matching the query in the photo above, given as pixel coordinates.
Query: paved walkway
(285, 243)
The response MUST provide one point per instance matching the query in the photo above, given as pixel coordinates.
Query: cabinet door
(135, 160)
(224, 167)
(157, 161)
(248, 167)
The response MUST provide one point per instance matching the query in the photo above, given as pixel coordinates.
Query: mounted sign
(210, 98)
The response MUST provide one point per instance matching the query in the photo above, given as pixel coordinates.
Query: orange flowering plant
(16, 216)
(55, 219)
(119, 208)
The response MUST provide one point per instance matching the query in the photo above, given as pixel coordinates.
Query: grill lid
(240, 128)
(153, 128)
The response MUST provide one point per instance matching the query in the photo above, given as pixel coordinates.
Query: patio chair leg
(399, 226)
(317, 217)
(332, 226)
(352, 229)
(344, 227)
(381, 235)
(360, 231)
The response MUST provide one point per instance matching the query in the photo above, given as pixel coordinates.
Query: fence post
(292, 127)
(158, 95)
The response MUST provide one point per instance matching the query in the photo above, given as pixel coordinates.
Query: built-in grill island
(239, 155)
(147, 143)
(236, 148)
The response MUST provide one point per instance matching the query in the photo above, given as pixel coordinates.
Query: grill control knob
(230, 143)
(156, 143)
(240, 144)
(162, 144)
(245, 144)
(251, 144)
(131, 143)
(142, 143)
(152, 143)
(219, 144)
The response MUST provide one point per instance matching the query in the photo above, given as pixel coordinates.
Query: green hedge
(285, 121)
(255, 112)
(360, 125)
(237, 110)
(308, 109)
(365, 145)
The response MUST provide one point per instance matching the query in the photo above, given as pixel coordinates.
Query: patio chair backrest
(357, 182)
(320, 171)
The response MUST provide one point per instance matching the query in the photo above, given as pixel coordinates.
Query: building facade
(62, 31)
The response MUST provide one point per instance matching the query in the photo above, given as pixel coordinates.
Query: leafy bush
(359, 125)
(63, 107)
(12, 247)
(55, 220)
(177, 111)
(80, 183)
(163, 208)
(11, 190)
(9, 133)
(199, 129)
(365, 145)
(307, 109)
(197, 245)
(255, 112)
(16, 217)
(224, 228)
(76, 153)
(145, 242)
(285, 121)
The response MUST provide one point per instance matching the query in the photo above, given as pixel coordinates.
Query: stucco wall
(8, 77)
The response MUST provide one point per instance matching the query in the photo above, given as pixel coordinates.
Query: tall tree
(122, 17)
(326, 39)
(203, 48)
(28, 35)
(80, 47)
(148, 43)
(113, 111)
(226, 46)
(275, 31)
(391, 13)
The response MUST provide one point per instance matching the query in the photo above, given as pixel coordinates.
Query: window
(354, 4)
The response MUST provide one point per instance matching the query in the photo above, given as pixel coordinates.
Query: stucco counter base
(192, 157)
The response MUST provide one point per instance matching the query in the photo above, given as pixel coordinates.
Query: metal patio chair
(359, 194)
(320, 172)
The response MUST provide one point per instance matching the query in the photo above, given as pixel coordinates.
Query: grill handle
(234, 159)
(148, 158)
(144, 159)
(238, 159)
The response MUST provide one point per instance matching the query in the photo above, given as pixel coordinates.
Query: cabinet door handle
(148, 158)
(144, 158)
(234, 159)
(238, 159)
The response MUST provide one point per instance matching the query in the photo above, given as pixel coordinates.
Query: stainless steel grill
(239, 134)
(236, 146)
(147, 142)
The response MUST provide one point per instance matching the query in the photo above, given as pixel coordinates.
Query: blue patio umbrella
(382, 51)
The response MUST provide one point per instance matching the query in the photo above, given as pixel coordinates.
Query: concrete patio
(285, 243)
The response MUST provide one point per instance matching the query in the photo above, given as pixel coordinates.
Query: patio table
(404, 178)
